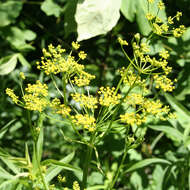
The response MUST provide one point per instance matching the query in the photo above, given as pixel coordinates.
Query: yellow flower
(108, 96)
(170, 20)
(34, 103)
(83, 79)
(149, 16)
(87, 101)
(88, 122)
(22, 75)
(75, 45)
(122, 42)
(132, 118)
(164, 54)
(37, 89)
(60, 108)
(82, 55)
(164, 83)
(76, 185)
(151, 1)
(12, 95)
(178, 15)
(161, 5)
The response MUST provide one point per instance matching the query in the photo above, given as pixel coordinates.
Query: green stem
(39, 168)
(64, 89)
(87, 162)
(119, 169)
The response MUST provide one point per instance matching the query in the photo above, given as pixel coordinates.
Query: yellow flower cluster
(164, 28)
(34, 103)
(164, 83)
(122, 42)
(132, 118)
(83, 79)
(134, 99)
(108, 96)
(35, 97)
(161, 5)
(82, 55)
(87, 101)
(131, 77)
(75, 45)
(144, 107)
(76, 185)
(88, 122)
(60, 108)
(12, 95)
(37, 89)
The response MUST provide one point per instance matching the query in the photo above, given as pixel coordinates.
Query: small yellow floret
(75, 45)
(22, 75)
(108, 96)
(60, 108)
(161, 5)
(76, 185)
(11, 94)
(88, 122)
(87, 101)
(164, 54)
(82, 55)
(122, 42)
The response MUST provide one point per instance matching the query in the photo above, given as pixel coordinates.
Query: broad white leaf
(95, 17)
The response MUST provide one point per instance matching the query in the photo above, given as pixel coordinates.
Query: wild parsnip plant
(123, 108)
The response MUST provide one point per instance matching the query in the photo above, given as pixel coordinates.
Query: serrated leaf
(96, 17)
(147, 162)
(51, 8)
(9, 11)
(8, 64)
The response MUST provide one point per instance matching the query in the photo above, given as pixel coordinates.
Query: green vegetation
(94, 95)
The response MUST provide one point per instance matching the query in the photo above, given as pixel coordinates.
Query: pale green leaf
(9, 10)
(55, 170)
(8, 64)
(51, 8)
(147, 162)
(96, 17)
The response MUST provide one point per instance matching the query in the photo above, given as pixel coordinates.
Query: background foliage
(163, 161)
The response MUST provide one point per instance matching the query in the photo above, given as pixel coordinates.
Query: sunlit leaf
(96, 17)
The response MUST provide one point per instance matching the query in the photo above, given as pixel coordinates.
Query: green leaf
(51, 8)
(147, 162)
(8, 64)
(70, 24)
(128, 9)
(96, 17)
(17, 37)
(4, 129)
(4, 174)
(9, 11)
(23, 61)
(183, 115)
(138, 9)
(168, 130)
(55, 170)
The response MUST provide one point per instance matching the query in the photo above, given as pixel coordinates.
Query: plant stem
(87, 162)
(64, 88)
(120, 167)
